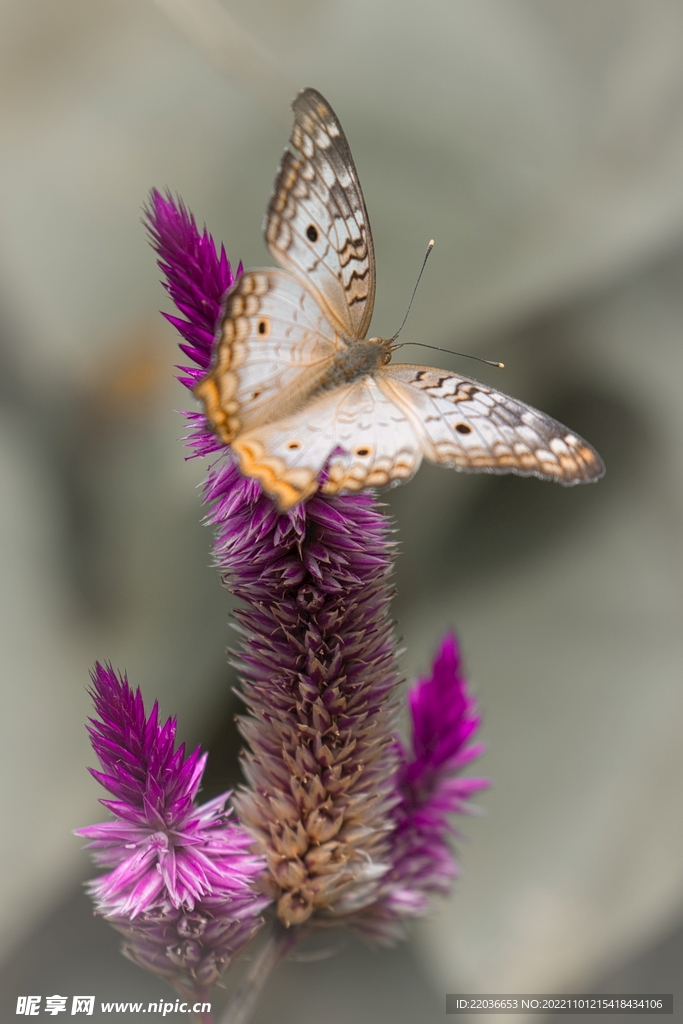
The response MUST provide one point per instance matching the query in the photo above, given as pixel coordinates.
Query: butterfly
(305, 400)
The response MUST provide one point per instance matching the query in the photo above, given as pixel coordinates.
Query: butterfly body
(360, 360)
(305, 400)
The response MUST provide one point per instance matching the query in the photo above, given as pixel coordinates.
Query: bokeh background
(541, 143)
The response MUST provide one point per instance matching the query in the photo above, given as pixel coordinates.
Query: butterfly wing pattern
(305, 401)
(359, 433)
(472, 427)
(317, 226)
(274, 343)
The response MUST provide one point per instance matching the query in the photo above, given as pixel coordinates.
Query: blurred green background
(541, 143)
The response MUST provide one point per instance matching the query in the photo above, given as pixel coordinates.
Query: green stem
(280, 942)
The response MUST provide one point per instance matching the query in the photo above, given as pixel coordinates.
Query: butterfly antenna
(465, 355)
(424, 264)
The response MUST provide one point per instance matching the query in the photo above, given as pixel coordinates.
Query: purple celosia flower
(181, 888)
(318, 676)
(430, 790)
(340, 815)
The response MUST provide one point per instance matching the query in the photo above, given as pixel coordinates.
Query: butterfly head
(384, 348)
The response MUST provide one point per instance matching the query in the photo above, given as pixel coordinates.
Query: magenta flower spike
(181, 885)
(339, 824)
(430, 790)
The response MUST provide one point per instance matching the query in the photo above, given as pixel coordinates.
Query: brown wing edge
(222, 418)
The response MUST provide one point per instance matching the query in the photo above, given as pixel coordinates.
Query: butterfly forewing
(317, 226)
(274, 344)
(470, 426)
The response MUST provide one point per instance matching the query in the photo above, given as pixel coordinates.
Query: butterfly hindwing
(471, 426)
(317, 226)
(360, 436)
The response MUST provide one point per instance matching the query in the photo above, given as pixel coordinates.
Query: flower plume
(197, 278)
(180, 888)
(430, 790)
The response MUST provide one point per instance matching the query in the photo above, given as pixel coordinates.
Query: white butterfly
(295, 388)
